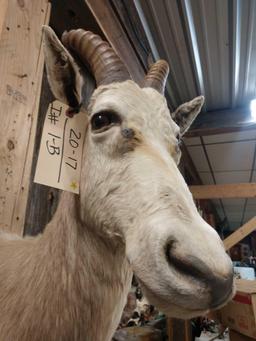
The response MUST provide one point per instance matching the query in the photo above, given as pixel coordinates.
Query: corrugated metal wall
(210, 46)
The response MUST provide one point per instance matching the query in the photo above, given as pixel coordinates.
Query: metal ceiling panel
(232, 177)
(198, 158)
(210, 46)
(236, 156)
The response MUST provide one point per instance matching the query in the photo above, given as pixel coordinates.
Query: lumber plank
(170, 329)
(117, 37)
(240, 233)
(244, 285)
(221, 122)
(3, 8)
(21, 66)
(188, 331)
(240, 190)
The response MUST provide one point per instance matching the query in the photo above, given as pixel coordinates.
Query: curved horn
(157, 76)
(105, 64)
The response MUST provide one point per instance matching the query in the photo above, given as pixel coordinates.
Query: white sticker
(59, 160)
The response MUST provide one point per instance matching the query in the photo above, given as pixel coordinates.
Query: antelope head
(130, 182)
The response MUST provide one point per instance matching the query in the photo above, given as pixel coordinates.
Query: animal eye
(104, 120)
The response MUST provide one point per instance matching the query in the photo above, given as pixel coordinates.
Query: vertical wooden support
(179, 330)
(188, 332)
(170, 329)
(3, 7)
(21, 66)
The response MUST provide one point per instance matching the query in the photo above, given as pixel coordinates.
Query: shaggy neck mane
(70, 283)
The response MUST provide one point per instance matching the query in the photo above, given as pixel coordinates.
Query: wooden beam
(43, 200)
(240, 234)
(3, 8)
(21, 66)
(245, 285)
(170, 323)
(178, 329)
(113, 30)
(221, 121)
(128, 16)
(240, 190)
(188, 331)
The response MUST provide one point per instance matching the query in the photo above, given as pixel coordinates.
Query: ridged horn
(106, 66)
(157, 76)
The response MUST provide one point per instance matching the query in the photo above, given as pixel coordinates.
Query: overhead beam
(240, 190)
(240, 234)
(129, 18)
(221, 121)
(116, 35)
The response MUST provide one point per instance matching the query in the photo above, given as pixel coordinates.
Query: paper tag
(59, 160)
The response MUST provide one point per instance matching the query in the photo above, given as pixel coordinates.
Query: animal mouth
(219, 288)
(187, 312)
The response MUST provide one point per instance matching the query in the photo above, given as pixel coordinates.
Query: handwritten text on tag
(59, 160)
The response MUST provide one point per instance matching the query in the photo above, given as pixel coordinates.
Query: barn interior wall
(43, 200)
(21, 64)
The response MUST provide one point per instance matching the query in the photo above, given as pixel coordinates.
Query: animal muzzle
(220, 286)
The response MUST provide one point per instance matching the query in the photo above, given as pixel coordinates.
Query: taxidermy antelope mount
(134, 213)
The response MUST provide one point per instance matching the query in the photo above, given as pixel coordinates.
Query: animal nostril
(220, 286)
(168, 250)
(189, 265)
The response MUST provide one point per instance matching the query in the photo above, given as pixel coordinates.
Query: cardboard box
(235, 336)
(240, 313)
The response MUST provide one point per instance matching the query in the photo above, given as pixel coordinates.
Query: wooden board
(221, 122)
(43, 200)
(235, 336)
(240, 233)
(179, 330)
(241, 190)
(3, 8)
(129, 18)
(113, 30)
(246, 286)
(21, 64)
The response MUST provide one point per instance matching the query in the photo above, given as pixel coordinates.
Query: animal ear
(63, 73)
(186, 113)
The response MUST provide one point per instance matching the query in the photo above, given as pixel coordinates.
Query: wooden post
(178, 330)
(3, 7)
(21, 65)
(170, 329)
(188, 333)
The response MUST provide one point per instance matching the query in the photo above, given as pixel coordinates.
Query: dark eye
(104, 120)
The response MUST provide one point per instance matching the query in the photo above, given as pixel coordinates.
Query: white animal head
(130, 182)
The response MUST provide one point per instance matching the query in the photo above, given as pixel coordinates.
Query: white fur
(71, 283)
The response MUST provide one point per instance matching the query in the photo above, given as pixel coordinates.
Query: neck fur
(76, 280)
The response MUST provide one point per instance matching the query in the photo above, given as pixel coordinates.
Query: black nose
(221, 289)
(220, 286)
